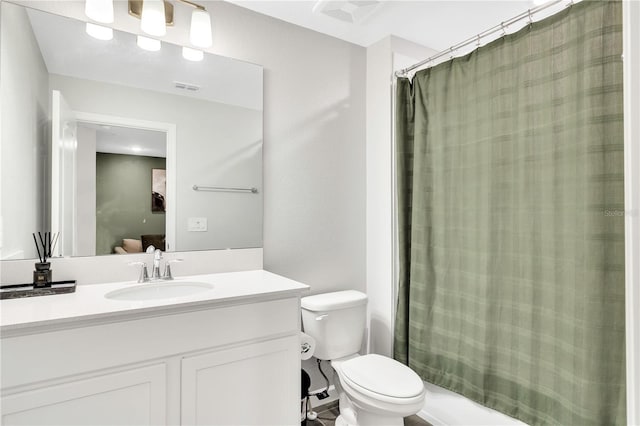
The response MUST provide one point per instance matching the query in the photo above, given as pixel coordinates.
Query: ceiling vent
(351, 11)
(186, 86)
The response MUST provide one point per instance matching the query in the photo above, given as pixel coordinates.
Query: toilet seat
(380, 380)
(382, 376)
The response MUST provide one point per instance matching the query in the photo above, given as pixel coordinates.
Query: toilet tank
(336, 321)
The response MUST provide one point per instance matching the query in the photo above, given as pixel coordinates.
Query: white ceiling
(130, 141)
(437, 24)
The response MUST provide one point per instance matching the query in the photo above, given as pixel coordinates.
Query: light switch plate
(197, 224)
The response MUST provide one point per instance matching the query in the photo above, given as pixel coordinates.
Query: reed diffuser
(47, 241)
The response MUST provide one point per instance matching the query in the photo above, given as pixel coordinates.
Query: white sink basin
(159, 290)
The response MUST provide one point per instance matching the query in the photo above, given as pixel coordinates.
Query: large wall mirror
(117, 148)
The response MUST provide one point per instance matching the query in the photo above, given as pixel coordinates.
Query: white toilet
(373, 389)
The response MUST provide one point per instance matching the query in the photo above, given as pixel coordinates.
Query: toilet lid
(382, 375)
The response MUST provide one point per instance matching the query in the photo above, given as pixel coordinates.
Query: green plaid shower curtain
(510, 194)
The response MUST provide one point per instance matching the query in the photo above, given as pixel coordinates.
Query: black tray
(16, 291)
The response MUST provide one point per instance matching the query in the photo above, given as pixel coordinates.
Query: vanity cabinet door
(254, 384)
(132, 397)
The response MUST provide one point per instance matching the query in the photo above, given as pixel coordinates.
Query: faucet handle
(144, 274)
(167, 268)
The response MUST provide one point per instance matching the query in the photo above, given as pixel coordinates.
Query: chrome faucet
(167, 269)
(155, 272)
(144, 274)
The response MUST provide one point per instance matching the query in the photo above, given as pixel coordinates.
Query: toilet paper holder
(307, 346)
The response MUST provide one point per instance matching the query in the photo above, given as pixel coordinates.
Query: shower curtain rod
(502, 27)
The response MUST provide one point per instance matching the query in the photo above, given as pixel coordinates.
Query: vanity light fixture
(152, 18)
(155, 16)
(200, 35)
(151, 13)
(99, 32)
(99, 10)
(192, 54)
(150, 44)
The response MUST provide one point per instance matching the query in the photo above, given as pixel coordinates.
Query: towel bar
(224, 189)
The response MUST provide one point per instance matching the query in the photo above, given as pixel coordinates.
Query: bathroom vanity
(229, 354)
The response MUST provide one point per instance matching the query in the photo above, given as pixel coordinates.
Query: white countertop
(89, 303)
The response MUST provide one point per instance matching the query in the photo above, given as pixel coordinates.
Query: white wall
(314, 152)
(24, 101)
(383, 58)
(86, 190)
(379, 196)
(217, 144)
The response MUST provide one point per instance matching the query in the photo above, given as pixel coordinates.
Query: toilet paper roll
(307, 346)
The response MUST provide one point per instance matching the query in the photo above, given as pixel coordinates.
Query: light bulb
(152, 20)
(99, 32)
(150, 44)
(192, 54)
(99, 10)
(200, 35)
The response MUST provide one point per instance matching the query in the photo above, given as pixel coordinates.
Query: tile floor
(327, 415)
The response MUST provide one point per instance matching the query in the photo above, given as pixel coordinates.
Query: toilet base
(352, 415)
(340, 421)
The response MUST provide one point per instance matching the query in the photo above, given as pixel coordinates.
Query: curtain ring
(530, 17)
(504, 29)
(478, 42)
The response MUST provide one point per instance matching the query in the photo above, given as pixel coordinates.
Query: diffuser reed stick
(37, 248)
(42, 274)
